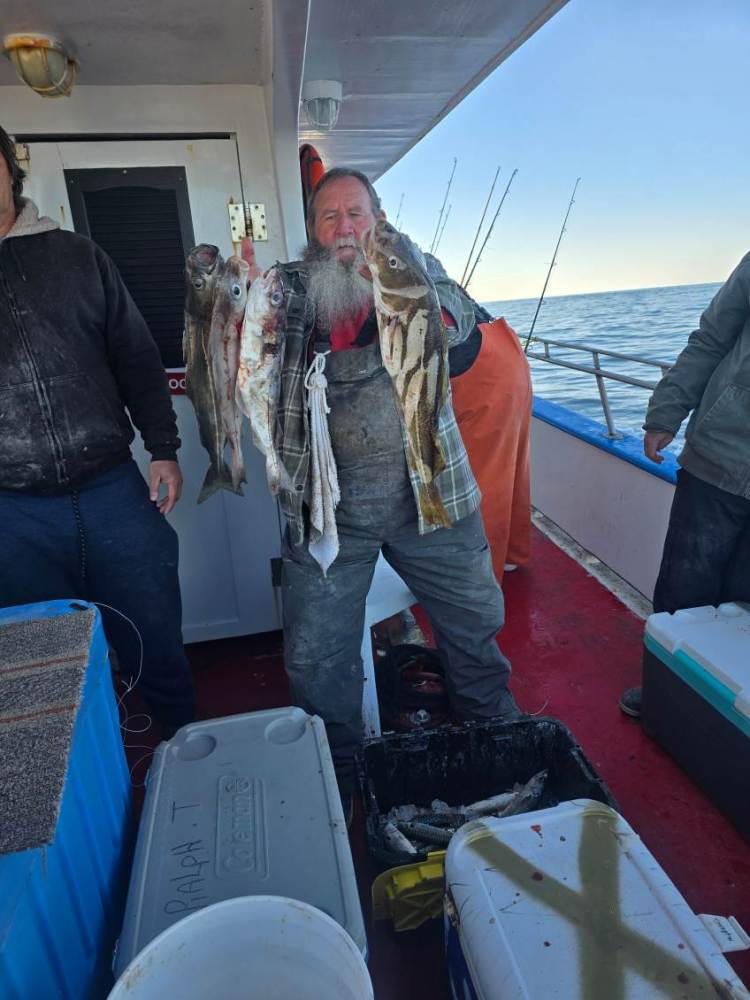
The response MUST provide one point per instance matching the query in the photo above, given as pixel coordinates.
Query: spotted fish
(203, 271)
(259, 375)
(414, 348)
(224, 356)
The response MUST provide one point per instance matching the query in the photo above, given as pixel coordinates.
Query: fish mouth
(205, 256)
(366, 238)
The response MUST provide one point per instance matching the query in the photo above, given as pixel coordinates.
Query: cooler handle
(726, 932)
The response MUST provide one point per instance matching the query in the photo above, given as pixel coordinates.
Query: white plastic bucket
(254, 947)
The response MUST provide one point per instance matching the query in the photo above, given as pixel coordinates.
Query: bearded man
(330, 312)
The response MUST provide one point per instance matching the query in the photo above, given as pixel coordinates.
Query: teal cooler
(696, 699)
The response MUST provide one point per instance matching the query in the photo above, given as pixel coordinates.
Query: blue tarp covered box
(65, 804)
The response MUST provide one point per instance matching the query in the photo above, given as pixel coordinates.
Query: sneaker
(630, 702)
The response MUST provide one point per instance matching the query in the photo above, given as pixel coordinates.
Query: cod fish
(204, 269)
(259, 374)
(414, 348)
(224, 357)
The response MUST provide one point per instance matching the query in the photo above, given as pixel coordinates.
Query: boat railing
(595, 368)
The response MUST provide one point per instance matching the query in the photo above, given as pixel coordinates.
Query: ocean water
(649, 322)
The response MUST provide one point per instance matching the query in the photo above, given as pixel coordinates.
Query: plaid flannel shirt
(456, 483)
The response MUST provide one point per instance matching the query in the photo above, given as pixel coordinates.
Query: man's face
(7, 210)
(343, 211)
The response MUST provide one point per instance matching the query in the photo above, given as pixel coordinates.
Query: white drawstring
(324, 481)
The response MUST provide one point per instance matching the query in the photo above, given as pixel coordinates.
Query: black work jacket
(74, 353)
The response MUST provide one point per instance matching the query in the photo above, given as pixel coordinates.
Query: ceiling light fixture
(322, 100)
(42, 62)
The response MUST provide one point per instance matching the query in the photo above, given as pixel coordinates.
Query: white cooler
(568, 903)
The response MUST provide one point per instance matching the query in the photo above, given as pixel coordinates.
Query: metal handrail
(599, 373)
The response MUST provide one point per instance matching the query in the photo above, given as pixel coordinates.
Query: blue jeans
(105, 542)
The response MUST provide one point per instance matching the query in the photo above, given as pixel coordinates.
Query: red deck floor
(574, 647)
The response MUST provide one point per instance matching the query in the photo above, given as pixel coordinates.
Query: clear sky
(648, 102)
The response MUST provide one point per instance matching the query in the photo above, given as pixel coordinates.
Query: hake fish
(204, 269)
(414, 348)
(259, 375)
(224, 357)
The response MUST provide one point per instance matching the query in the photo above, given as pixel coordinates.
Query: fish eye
(393, 262)
(276, 299)
(198, 282)
(236, 291)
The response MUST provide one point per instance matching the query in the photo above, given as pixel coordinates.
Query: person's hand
(247, 252)
(166, 472)
(654, 442)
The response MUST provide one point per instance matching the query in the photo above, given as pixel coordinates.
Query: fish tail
(218, 479)
(432, 507)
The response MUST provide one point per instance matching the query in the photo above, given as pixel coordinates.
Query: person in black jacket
(77, 519)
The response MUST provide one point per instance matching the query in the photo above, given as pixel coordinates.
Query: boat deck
(573, 647)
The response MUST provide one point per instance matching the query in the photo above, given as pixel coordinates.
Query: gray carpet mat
(42, 668)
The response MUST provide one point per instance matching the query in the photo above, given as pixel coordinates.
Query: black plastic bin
(463, 764)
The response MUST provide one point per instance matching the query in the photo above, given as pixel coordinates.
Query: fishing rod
(489, 231)
(440, 217)
(554, 257)
(443, 229)
(481, 221)
(398, 214)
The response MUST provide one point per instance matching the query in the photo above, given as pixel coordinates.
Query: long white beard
(335, 290)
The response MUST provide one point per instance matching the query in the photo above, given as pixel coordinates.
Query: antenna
(398, 214)
(440, 217)
(443, 228)
(476, 235)
(489, 231)
(554, 258)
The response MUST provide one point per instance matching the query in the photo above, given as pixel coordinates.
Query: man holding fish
(377, 464)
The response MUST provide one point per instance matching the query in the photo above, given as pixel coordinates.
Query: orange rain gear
(492, 403)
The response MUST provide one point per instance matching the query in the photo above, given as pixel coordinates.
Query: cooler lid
(240, 806)
(567, 902)
(716, 639)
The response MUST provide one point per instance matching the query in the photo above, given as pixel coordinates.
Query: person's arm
(681, 389)
(138, 370)
(453, 301)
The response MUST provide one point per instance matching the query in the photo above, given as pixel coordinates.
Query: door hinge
(23, 156)
(247, 220)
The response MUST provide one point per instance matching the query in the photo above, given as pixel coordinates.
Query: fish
(396, 841)
(224, 356)
(488, 807)
(259, 374)
(428, 834)
(414, 348)
(203, 270)
(527, 798)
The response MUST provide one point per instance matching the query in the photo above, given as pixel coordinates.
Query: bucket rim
(236, 902)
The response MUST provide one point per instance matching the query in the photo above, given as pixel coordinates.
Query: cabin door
(147, 202)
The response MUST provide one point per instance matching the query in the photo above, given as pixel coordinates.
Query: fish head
(236, 279)
(267, 301)
(203, 268)
(398, 269)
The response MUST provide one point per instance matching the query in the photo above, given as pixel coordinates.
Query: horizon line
(607, 291)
